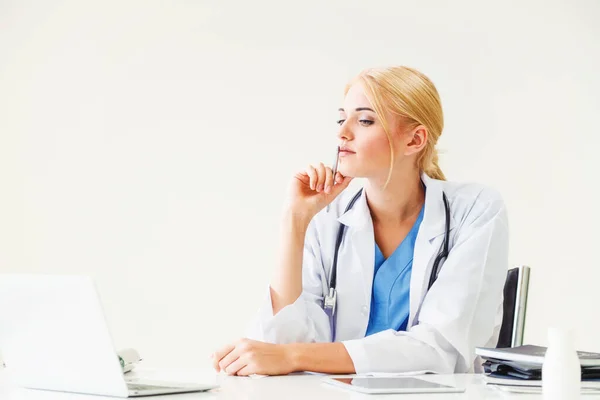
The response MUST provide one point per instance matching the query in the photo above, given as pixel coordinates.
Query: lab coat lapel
(429, 239)
(359, 230)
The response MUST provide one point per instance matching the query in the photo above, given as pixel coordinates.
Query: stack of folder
(522, 366)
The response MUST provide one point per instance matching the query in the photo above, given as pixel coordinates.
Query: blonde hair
(411, 95)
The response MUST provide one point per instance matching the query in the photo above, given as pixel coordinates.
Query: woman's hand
(247, 357)
(313, 189)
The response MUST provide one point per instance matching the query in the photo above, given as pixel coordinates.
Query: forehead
(356, 98)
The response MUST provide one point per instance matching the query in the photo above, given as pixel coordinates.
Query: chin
(354, 168)
(350, 172)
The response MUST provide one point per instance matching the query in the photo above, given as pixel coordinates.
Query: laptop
(54, 336)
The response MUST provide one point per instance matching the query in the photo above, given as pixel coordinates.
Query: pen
(335, 165)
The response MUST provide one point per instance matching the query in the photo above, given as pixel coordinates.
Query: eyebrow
(358, 109)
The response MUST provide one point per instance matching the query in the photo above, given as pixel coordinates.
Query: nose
(344, 133)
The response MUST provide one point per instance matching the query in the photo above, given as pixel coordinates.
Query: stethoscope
(329, 303)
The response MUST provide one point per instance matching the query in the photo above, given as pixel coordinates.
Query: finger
(235, 366)
(339, 178)
(215, 363)
(303, 177)
(229, 359)
(245, 371)
(337, 189)
(328, 179)
(321, 177)
(223, 351)
(312, 174)
(219, 354)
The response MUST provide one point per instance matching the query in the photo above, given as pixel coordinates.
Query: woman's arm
(292, 311)
(309, 193)
(286, 285)
(328, 358)
(248, 357)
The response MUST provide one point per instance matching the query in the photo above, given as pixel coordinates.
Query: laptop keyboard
(133, 386)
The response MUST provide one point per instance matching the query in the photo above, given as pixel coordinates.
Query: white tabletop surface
(298, 386)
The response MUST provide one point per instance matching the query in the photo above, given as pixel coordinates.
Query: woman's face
(365, 149)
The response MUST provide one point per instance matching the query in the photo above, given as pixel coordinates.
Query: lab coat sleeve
(304, 320)
(457, 314)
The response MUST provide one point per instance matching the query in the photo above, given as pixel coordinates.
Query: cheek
(372, 154)
(374, 147)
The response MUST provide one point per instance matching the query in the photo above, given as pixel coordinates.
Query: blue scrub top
(390, 300)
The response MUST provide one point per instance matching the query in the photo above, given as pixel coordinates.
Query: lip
(346, 151)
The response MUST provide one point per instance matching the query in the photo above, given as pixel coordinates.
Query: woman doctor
(386, 319)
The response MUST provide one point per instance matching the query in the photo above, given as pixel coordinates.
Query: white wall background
(149, 144)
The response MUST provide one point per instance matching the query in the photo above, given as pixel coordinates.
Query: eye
(366, 122)
(340, 121)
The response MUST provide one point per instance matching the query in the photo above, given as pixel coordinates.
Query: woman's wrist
(293, 355)
(294, 218)
(331, 358)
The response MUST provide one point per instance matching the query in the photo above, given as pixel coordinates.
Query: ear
(416, 139)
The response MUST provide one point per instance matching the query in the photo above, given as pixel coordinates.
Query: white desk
(276, 388)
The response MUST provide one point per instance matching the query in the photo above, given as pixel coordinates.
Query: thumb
(340, 186)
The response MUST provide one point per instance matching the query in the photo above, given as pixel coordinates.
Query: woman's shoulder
(469, 199)
(472, 192)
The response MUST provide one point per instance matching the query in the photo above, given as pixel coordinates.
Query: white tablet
(391, 385)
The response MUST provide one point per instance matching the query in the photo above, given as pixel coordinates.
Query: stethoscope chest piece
(330, 302)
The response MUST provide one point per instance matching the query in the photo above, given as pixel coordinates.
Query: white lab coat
(462, 310)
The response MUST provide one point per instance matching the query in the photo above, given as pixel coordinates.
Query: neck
(399, 201)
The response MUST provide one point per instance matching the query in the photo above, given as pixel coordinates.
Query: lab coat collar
(434, 218)
(359, 214)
